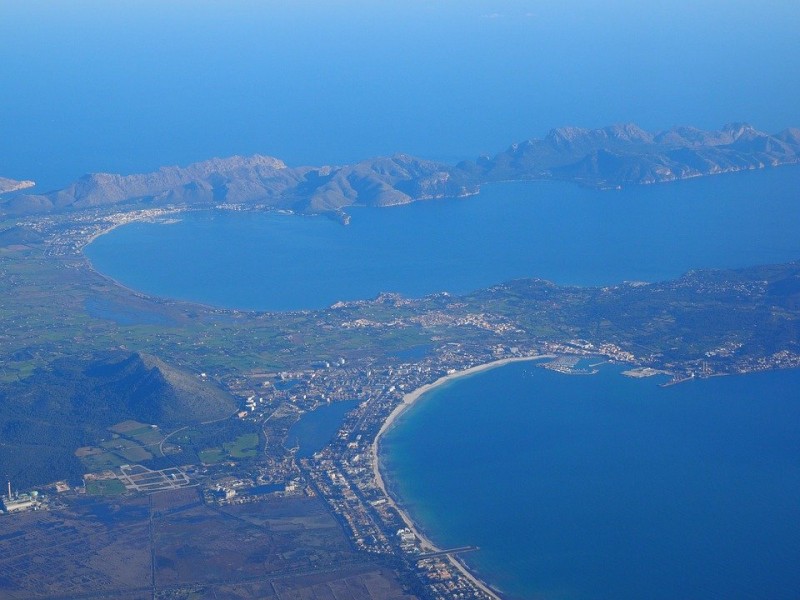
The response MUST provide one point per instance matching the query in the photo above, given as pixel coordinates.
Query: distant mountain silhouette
(626, 154)
(258, 181)
(12, 185)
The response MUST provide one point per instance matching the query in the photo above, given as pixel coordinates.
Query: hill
(46, 416)
(260, 182)
(12, 185)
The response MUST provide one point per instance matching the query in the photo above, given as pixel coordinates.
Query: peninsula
(607, 158)
(12, 185)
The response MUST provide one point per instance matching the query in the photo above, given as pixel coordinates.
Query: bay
(609, 487)
(121, 89)
(551, 230)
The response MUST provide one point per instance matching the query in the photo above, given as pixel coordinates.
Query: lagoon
(317, 428)
(128, 94)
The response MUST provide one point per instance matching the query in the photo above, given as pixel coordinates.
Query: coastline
(133, 217)
(408, 400)
(85, 243)
(140, 218)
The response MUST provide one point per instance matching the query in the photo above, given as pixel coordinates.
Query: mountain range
(626, 154)
(608, 157)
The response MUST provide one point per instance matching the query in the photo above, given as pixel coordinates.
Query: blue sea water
(124, 87)
(598, 487)
(574, 487)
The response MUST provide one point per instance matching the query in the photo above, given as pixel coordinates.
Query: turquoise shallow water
(589, 487)
(556, 231)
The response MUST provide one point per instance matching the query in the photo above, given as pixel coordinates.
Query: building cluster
(344, 473)
(18, 501)
(69, 238)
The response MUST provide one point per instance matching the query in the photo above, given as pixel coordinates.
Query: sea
(593, 487)
(604, 486)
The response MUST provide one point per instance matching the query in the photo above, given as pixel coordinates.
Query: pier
(448, 552)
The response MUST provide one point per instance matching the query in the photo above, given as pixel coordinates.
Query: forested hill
(72, 402)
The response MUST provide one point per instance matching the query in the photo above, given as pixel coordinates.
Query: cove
(608, 487)
(552, 230)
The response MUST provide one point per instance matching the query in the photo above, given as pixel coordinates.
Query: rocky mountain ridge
(626, 154)
(260, 181)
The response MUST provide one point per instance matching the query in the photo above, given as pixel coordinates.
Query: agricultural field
(105, 487)
(146, 435)
(131, 442)
(130, 451)
(366, 582)
(244, 446)
(96, 459)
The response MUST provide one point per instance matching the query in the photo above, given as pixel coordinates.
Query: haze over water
(90, 85)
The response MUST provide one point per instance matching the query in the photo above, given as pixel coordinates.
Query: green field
(142, 433)
(105, 487)
(212, 455)
(128, 446)
(244, 446)
(129, 450)
(98, 459)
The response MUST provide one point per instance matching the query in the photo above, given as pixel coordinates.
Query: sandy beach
(133, 217)
(408, 400)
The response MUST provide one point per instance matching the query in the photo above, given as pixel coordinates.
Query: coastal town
(345, 473)
(415, 300)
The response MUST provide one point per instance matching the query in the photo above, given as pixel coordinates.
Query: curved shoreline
(158, 299)
(408, 401)
(136, 218)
